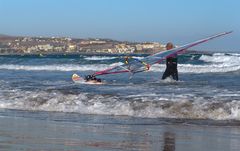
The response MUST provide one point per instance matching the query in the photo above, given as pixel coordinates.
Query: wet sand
(21, 133)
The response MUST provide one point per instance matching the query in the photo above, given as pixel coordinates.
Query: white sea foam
(189, 68)
(218, 63)
(220, 58)
(107, 58)
(63, 67)
(184, 68)
(138, 57)
(99, 58)
(177, 106)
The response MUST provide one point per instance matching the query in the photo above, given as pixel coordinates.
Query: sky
(178, 21)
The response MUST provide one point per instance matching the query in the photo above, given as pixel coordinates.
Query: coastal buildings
(29, 45)
(149, 47)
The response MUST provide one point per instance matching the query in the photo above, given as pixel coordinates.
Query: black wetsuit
(96, 79)
(171, 69)
(92, 77)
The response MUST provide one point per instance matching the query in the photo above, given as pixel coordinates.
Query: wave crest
(217, 62)
(147, 107)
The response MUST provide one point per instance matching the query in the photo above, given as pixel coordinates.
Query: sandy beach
(21, 131)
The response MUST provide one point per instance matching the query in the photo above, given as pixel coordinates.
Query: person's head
(88, 77)
(169, 46)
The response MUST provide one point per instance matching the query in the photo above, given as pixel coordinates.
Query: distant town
(46, 45)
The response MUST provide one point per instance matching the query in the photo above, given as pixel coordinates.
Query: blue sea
(37, 91)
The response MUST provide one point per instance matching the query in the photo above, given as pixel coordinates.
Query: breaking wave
(62, 67)
(59, 67)
(107, 57)
(189, 68)
(183, 68)
(179, 106)
(217, 58)
(218, 62)
(99, 58)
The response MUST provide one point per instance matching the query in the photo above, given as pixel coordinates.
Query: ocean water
(209, 87)
(39, 88)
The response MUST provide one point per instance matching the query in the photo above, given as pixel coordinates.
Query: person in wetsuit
(171, 65)
(89, 78)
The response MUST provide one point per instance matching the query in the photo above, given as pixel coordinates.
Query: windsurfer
(171, 65)
(141, 65)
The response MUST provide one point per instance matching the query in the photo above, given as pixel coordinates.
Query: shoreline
(49, 131)
(124, 119)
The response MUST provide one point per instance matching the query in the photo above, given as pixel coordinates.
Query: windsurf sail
(140, 65)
